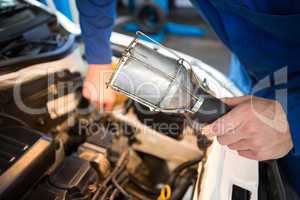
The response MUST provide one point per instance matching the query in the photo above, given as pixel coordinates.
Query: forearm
(96, 21)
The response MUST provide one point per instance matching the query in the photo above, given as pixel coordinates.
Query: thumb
(234, 101)
(109, 105)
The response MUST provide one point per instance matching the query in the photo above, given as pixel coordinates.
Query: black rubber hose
(278, 180)
(122, 180)
(120, 163)
(105, 193)
(143, 187)
(119, 187)
(180, 168)
(187, 180)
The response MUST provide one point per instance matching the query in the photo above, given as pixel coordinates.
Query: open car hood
(224, 169)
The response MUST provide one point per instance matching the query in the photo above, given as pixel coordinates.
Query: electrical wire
(120, 188)
(106, 192)
(278, 179)
(114, 194)
(193, 190)
(120, 163)
(142, 186)
(186, 180)
(119, 177)
(181, 167)
(122, 181)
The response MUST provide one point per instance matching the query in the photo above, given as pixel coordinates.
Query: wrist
(100, 66)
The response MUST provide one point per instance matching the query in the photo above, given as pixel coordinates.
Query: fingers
(236, 100)
(109, 104)
(253, 150)
(233, 136)
(246, 144)
(248, 154)
(90, 91)
(259, 155)
(102, 98)
(94, 88)
(241, 145)
(247, 130)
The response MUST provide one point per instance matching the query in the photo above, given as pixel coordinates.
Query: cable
(193, 190)
(187, 179)
(117, 185)
(181, 167)
(122, 179)
(120, 163)
(143, 187)
(114, 194)
(106, 192)
(11, 117)
(120, 188)
(118, 178)
(278, 179)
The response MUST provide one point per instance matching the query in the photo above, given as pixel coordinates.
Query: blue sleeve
(96, 21)
(212, 17)
(293, 118)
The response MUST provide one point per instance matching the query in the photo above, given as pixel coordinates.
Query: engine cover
(69, 181)
(25, 156)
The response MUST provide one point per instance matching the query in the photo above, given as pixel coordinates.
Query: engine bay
(55, 145)
(126, 154)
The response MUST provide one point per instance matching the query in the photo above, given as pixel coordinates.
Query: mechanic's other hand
(94, 87)
(256, 128)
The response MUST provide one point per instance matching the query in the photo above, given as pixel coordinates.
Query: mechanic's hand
(94, 87)
(257, 128)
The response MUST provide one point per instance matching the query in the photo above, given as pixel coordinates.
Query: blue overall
(264, 37)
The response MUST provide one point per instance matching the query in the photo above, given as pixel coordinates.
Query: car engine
(80, 153)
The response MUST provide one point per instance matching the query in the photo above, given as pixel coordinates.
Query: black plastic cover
(25, 157)
(19, 17)
(35, 94)
(69, 181)
(30, 35)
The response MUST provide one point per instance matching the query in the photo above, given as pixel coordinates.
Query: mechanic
(264, 38)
